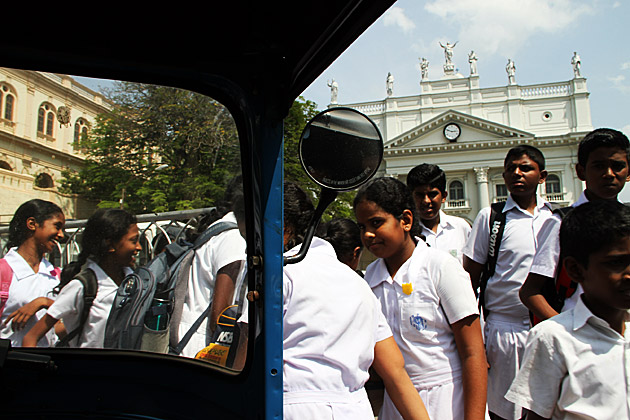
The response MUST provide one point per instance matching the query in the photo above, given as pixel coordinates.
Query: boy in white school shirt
(603, 161)
(507, 324)
(449, 233)
(576, 364)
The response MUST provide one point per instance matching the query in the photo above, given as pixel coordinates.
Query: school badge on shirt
(407, 288)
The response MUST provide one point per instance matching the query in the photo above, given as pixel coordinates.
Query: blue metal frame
(272, 179)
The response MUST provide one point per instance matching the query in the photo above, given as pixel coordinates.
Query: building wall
(28, 156)
(553, 117)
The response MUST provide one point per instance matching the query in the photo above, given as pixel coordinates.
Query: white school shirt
(575, 367)
(546, 259)
(69, 307)
(516, 252)
(331, 323)
(221, 250)
(26, 286)
(452, 233)
(440, 295)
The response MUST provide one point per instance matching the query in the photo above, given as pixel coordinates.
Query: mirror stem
(327, 197)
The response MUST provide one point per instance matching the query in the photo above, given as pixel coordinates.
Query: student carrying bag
(555, 293)
(148, 304)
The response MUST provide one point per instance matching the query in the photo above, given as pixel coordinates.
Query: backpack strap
(180, 291)
(87, 277)
(213, 230)
(497, 226)
(6, 276)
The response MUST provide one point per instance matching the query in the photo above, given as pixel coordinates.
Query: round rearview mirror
(341, 149)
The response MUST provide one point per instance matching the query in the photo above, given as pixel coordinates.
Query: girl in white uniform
(33, 232)
(109, 245)
(429, 303)
(333, 330)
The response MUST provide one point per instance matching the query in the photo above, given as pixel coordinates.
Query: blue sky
(538, 35)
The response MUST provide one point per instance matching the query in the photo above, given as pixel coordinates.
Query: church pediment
(452, 129)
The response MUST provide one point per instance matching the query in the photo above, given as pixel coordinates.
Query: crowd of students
(414, 318)
(573, 365)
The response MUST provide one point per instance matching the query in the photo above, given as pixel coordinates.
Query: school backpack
(6, 277)
(147, 308)
(555, 293)
(224, 341)
(87, 277)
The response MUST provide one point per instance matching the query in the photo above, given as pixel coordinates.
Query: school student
(449, 233)
(109, 246)
(576, 364)
(213, 275)
(507, 323)
(34, 231)
(428, 303)
(333, 331)
(345, 237)
(603, 159)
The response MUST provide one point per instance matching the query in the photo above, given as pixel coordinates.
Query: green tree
(159, 149)
(299, 114)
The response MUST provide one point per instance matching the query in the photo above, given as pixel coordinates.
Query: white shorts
(443, 402)
(326, 406)
(505, 344)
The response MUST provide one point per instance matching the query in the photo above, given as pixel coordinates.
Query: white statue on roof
(334, 90)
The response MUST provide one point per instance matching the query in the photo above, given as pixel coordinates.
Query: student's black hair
(427, 174)
(344, 235)
(233, 188)
(103, 228)
(602, 137)
(392, 196)
(591, 226)
(40, 210)
(525, 149)
(298, 211)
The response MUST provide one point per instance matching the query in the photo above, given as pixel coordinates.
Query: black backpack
(147, 308)
(87, 277)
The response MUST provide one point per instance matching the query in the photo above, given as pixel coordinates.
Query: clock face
(452, 131)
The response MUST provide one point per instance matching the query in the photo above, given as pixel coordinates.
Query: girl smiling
(109, 245)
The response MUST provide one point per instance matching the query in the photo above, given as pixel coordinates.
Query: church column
(482, 186)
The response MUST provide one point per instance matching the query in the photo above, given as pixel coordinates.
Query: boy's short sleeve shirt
(548, 253)
(451, 235)
(546, 259)
(223, 249)
(516, 252)
(575, 367)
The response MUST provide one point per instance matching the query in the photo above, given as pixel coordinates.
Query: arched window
(456, 191)
(46, 119)
(80, 133)
(7, 102)
(44, 180)
(552, 184)
(5, 165)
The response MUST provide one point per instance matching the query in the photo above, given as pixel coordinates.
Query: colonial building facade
(43, 119)
(467, 131)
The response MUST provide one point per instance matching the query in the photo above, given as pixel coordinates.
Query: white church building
(467, 131)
